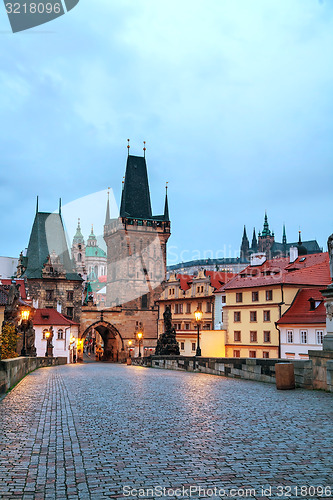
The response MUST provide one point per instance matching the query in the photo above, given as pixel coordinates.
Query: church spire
(107, 215)
(254, 245)
(244, 250)
(266, 231)
(166, 204)
(78, 237)
(284, 236)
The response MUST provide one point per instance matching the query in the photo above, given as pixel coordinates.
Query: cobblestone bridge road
(100, 430)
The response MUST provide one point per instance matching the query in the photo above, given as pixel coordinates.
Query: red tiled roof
(311, 269)
(300, 312)
(7, 282)
(185, 281)
(51, 317)
(218, 278)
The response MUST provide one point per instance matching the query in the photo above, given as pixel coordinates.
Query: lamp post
(198, 318)
(25, 314)
(139, 335)
(129, 344)
(49, 346)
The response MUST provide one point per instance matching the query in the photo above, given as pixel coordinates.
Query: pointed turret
(301, 248)
(135, 201)
(107, 215)
(284, 236)
(166, 204)
(92, 240)
(78, 237)
(245, 246)
(254, 245)
(266, 231)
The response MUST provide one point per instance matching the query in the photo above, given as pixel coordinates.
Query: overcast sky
(234, 99)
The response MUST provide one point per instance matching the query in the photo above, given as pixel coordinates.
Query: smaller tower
(301, 248)
(245, 247)
(254, 245)
(266, 239)
(78, 251)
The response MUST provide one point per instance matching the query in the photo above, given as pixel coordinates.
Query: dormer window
(314, 304)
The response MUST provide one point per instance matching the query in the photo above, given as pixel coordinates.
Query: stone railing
(13, 370)
(316, 373)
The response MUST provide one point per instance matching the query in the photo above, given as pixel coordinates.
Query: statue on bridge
(167, 344)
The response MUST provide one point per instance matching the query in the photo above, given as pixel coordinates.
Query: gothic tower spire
(254, 245)
(166, 204)
(244, 250)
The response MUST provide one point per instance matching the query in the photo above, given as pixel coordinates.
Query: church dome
(301, 248)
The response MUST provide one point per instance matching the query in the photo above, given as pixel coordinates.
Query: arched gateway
(113, 342)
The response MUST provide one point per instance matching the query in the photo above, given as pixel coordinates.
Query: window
(267, 315)
(208, 307)
(239, 297)
(199, 306)
(255, 296)
(202, 289)
(60, 334)
(178, 308)
(253, 316)
(265, 354)
(253, 336)
(222, 317)
(237, 336)
(188, 308)
(193, 346)
(237, 317)
(206, 326)
(182, 346)
(236, 354)
(304, 336)
(319, 336)
(49, 294)
(70, 295)
(267, 336)
(269, 294)
(70, 311)
(44, 333)
(224, 299)
(144, 301)
(187, 326)
(177, 326)
(290, 336)
(252, 354)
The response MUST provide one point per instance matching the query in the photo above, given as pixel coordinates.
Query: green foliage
(8, 341)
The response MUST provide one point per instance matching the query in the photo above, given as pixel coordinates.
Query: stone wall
(259, 370)
(13, 370)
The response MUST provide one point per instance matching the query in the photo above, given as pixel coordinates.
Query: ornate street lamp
(49, 346)
(198, 319)
(25, 314)
(129, 345)
(139, 335)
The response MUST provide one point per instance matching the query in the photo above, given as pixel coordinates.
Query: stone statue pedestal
(328, 338)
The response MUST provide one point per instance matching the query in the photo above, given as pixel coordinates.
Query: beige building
(258, 296)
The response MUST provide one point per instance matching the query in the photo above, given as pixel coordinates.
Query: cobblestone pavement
(100, 430)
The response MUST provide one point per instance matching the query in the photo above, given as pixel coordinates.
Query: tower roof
(266, 231)
(135, 200)
(47, 236)
(78, 237)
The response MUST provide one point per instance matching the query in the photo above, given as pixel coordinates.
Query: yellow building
(258, 296)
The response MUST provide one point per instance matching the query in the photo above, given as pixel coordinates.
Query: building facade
(258, 296)
(303, 325)
(50, 274)
(184, 294)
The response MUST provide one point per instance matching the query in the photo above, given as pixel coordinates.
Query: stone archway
(113, 341)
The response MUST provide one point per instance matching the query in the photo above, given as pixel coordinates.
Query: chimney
(293, 254)
(256, 259)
